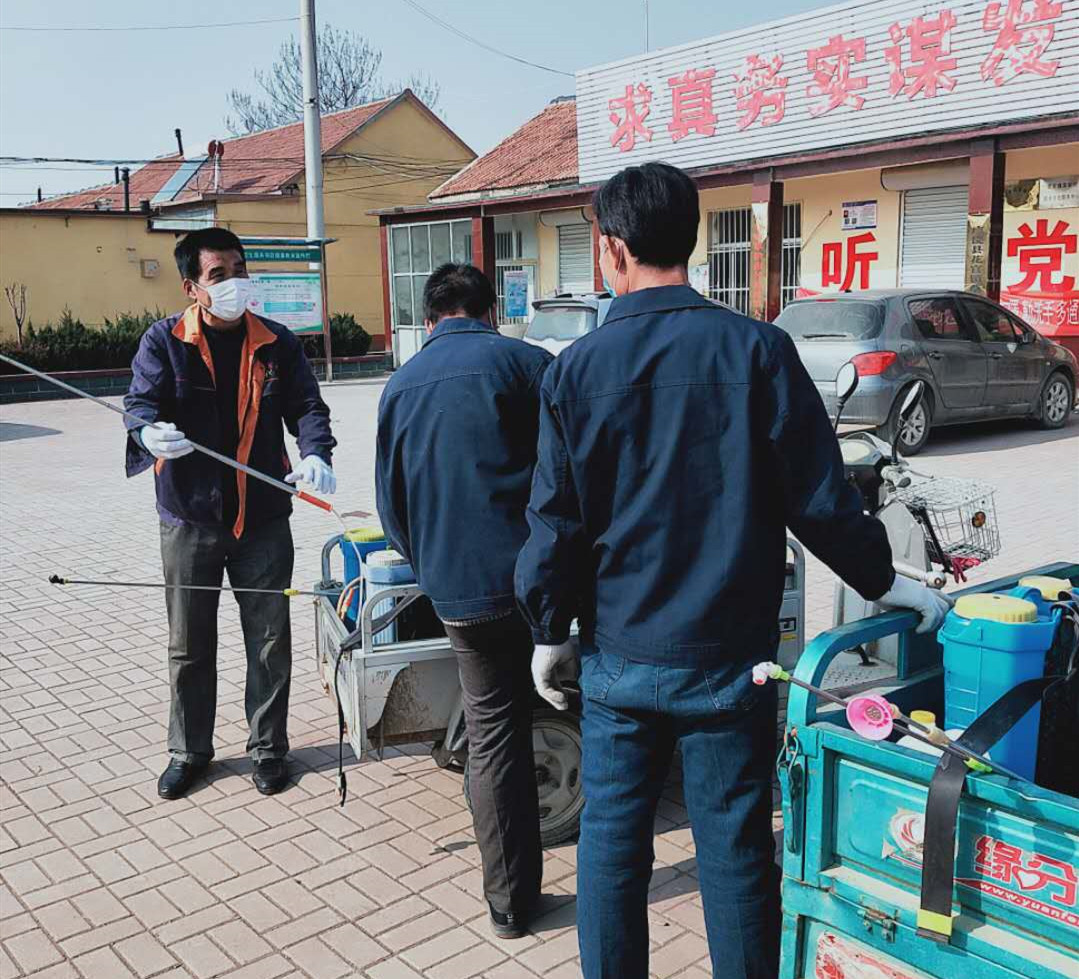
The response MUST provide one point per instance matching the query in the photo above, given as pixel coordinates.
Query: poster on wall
(1040, 274)
(515, 286)
(859, 214)
(698, 278)
(293, 299)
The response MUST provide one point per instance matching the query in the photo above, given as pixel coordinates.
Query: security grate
(792, 253)
(729, 243)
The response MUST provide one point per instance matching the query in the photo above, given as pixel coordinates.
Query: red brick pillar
(766, 256)
(387, 308)
(483, 250)
(985, 219)
(597, 275)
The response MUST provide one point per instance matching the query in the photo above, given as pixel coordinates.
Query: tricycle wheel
(556, 741)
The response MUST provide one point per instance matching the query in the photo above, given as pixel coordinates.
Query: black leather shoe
(178, 778)
(508, 925)
(270, 775)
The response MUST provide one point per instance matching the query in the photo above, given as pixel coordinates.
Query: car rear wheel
(915, 432)
(1056, 401)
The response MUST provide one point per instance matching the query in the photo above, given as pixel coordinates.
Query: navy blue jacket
(456, 448)
(173, 381)
(677, 443)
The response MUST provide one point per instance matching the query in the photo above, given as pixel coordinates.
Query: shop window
(728, 257)
(416, 250)
(792, 253)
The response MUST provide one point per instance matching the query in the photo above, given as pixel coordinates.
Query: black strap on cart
(946, 788)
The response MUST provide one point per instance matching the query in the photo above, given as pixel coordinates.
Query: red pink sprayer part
(873, 715)
(870, 717)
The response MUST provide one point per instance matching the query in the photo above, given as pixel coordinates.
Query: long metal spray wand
(224, 459)
(55, 579)
(975, 761)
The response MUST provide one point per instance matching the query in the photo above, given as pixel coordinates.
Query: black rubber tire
(887, 431)
(1053, 410)
(565, 824)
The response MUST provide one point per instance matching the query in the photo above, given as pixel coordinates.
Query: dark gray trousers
(493, 659)
(260, 559)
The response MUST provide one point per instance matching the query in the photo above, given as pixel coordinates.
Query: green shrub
(347, 338)
(70, 345)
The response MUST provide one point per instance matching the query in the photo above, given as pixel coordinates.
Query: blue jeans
(634, 716)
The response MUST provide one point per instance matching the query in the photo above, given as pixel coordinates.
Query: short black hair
(456, 288)
(194, 243)
(654, 209)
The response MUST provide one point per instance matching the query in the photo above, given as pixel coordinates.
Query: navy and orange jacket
(173, 381)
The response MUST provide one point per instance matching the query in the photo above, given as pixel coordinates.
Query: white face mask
(229, 299)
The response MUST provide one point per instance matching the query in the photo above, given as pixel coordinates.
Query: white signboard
(859, 214)
(293, 299)
(853, 73)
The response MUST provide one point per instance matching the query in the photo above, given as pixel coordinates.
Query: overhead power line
(435, 19)
(151, 27)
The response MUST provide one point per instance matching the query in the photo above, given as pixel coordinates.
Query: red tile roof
(542, 151)
(145, 182)
(257, 164)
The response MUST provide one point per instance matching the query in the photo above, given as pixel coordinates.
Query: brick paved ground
(100, 879)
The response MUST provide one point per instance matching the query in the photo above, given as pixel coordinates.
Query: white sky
(120, 94)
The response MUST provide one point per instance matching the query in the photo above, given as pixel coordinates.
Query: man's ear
(429, 327)
(191, 290)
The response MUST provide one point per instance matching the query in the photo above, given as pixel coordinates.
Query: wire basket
(958, 516)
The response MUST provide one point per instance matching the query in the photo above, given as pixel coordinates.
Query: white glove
(545, 663)
(163, 441)
(315, 473)
(929, 603)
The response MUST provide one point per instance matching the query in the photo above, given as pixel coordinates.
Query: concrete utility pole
(312, 154)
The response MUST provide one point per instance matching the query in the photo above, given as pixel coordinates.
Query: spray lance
(873, 718)
(224, 459)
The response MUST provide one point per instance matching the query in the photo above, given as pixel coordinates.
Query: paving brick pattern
(100, 879)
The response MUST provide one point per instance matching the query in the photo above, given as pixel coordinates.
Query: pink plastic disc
(870, 717)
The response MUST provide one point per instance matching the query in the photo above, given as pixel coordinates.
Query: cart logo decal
(1054, 882)
(907, 831)
(838, 958)
(1025, 879)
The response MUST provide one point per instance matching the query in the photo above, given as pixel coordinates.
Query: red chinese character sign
(760, 86)
(858, 73)
(634, 107)
(832, 79)
(1041, 270)
(924, 66)
(842, 261)
(1024, 30)
(691, 104)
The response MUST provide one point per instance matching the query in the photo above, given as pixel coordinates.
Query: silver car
(557, 322)
(978, 360)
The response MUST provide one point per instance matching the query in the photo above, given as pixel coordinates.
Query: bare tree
(16, 298)
(349, 71)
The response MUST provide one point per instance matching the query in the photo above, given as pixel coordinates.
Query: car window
(994, 325)
(561, 323)
(832, 319)
(937, 319)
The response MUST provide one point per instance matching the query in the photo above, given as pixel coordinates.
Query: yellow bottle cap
(1049, 587)
(926, 717)
(365, 535)
(997, 608)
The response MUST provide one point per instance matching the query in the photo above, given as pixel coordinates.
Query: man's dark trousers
(634, 716)
(261, 558)
(493, 659)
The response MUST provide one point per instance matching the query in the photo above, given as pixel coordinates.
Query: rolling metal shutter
(575, 258)
(934, 248)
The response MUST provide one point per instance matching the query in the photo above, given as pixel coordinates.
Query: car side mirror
(1026, 338)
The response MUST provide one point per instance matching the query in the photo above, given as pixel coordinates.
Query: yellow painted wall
(547, 273)
(1045, 161)
(822, 200)
(350, 190)
(88, 263)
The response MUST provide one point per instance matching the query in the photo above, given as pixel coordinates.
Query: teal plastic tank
(992, 643)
